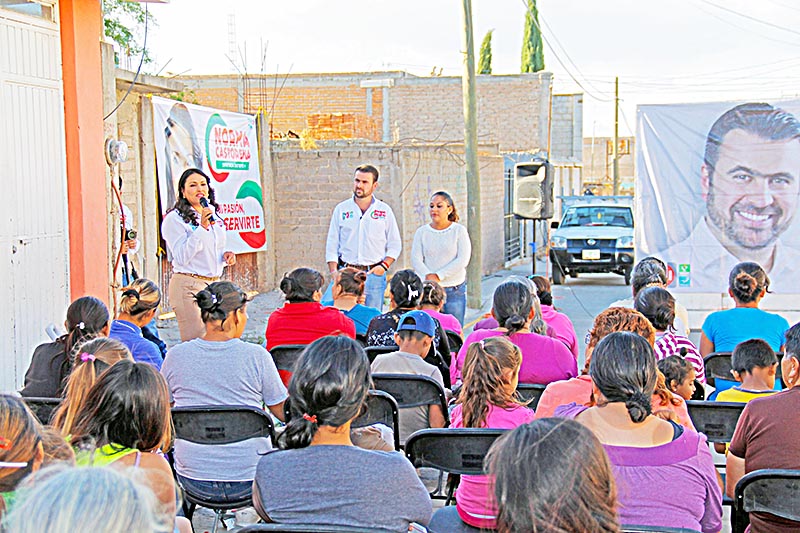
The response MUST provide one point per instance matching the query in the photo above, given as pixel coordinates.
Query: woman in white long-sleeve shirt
(441, 253)
(195, 237)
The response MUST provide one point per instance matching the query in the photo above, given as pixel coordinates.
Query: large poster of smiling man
(717, 184)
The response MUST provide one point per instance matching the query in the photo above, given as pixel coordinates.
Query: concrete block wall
(566, 130)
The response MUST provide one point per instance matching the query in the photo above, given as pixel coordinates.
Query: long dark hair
(746, 281)
(624, 370)
(128, 406)
(182, 205)
(552, 476)
(329, 385)
(406, 288)
(512, 304)
(453, 216)
(86, 317)
(657, 305)
(219, 299)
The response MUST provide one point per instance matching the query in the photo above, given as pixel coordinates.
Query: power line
(748, 17)
(750, 31)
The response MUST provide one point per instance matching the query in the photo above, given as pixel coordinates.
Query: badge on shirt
(377, 215)
(347, 214)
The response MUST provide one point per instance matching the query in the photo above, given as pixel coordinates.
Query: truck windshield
(598, 216)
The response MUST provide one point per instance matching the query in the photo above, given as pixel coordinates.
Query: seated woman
(302, 319)
(646, 451)
(319, 476)
(46, 377)
(544, 359)
(560, 323)
(767, 436)
(658, 306)
(553, 475)
(124, 422)
(92, 358)
(433, 299)
(100, 500)
(347, 290)
(21, 451)
(579, 390)
(221, 369)
(138, 306)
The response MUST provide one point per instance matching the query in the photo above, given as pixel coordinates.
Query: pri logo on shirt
(347, 214)
(378, 214)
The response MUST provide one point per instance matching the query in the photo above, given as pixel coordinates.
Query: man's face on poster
(752, 192)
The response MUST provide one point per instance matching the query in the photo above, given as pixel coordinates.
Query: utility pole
(475, 268)
(614, 151)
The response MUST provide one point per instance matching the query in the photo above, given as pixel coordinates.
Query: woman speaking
(195, 237)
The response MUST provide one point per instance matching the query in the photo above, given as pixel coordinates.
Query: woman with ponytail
(87, 317)
(347, 291)
(647, 453)
(92, 358)
(544, 359)
(723, 330)
(138, 306)
(487, 400)
(319, 477)
(219, 368)
(21, 451)
(562, 326)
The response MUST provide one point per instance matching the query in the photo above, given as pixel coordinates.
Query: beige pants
(181, 295)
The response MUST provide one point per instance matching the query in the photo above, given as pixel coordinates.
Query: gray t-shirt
(343, 486)
(411, 418)
(233, 372)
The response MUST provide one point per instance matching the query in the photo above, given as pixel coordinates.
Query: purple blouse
(671, 485)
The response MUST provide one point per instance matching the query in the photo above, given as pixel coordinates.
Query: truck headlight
(625, 242)
(558, 243)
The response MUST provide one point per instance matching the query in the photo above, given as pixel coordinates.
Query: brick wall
(566, 128)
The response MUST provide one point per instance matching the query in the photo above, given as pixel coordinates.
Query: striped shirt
(669, 343)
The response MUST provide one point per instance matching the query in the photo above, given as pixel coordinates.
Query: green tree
(485, 59)
(121, 20)
(532, 50)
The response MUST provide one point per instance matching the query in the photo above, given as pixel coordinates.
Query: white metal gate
(34, 248)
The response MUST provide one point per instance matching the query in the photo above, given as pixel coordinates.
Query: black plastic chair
(656, 529)
(718, 366)
(530, 391)
(286, 355)
(458, 451)
(301, 528)
(375, 351)
(717, 420)
(215, 425)
(380, 408)
(773, 491)
(455, 341)
(42, 408)
(411, 390)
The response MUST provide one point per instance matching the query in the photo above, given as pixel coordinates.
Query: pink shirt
(448, 322)
(544, 359)
(474, 499)
(562, 326)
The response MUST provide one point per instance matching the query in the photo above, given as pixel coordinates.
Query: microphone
(204, 203)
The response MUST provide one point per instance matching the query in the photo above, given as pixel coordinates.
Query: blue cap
(417, 321)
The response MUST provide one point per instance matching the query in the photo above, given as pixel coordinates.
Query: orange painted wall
(81, 31)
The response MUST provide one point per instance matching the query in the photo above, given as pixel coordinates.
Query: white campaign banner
(222, 144)
(717, 184)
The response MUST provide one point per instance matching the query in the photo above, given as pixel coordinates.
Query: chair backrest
(455, 341)
(458, 451)
(718, 365)
(411, 390)
(301, 528)
(530, 391)
(770, 491)
(286, 355)
(221, 424)
(717, 420)
(375, 351)
(42, 408)
(380, 408)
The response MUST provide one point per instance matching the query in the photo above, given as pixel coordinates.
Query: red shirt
(305, 322)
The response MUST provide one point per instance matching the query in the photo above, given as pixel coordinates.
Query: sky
(664, 51)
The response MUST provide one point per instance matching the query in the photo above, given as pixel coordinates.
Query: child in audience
(487, 400)
(92, 358)
(678, 375)
(21, 449)
(319, 477)
(754, 367)
(553, 475)
(96, 500)
(414, 336)
(433, 300)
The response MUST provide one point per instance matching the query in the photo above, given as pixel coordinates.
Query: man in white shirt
(363, 234)
(750, 180)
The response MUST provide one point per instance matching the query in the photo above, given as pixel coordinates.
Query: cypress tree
(532, 50)
(485, 60)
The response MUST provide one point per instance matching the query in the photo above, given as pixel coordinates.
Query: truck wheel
(627, 277)
(558, 275)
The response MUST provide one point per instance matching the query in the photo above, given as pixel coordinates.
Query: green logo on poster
(684, 268)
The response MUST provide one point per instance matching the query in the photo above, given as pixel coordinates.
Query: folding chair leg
(218, 514)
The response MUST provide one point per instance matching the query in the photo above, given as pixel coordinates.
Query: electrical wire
(138, 70)
(750, 18)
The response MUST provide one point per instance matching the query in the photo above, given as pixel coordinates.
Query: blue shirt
(728, 328)
(130, 335)
(361, 316)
